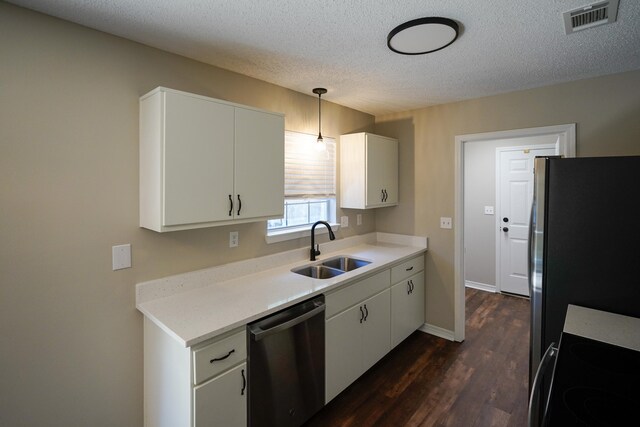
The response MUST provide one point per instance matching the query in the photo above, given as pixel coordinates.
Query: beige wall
(71, 350)
(605, 109)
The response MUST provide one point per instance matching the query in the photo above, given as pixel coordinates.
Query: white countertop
(194, 307)
(611, 328)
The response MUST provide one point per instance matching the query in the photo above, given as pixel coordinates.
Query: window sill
(276, 236)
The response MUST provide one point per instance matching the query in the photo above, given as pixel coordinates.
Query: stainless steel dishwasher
(286, 365)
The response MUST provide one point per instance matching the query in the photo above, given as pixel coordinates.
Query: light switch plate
(344, 221)
(488, 210)
(121, 256)
(359, 219)
(445, 222)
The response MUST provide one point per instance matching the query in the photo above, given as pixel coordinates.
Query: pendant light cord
(319, 117)
(319, 91)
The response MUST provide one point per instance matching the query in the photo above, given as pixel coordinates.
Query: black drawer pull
(239, 205)
(410, 268)
(361, 314)
(223, 357)
(366, 310)
(244, 383)
(230, 204)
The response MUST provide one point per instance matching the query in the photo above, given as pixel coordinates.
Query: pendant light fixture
(320, 142)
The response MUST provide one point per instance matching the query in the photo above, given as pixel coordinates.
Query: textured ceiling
(505, 45)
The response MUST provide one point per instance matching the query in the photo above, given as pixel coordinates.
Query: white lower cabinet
(407, 307)
(407, 299)
(343, 359)
(367, 318)
(222, 401)
(203, 386)
(355, 340)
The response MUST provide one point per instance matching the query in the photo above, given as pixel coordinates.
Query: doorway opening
(561, 138)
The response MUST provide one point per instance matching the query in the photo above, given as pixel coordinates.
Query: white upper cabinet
(368, 171)
(259, 164)
(206, 162)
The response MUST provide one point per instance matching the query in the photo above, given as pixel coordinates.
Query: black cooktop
(594, 384)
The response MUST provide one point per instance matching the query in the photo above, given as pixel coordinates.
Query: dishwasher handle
(257, 333)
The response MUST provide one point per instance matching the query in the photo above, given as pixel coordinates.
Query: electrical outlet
(488, 210)
(121, 256)
(344, 221)
(445, 222)
(233, 239)
(359, 219)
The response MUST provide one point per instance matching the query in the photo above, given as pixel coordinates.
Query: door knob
(505, 229)
(505, 219)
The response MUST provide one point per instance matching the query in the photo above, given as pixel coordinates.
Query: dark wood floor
(429, 381)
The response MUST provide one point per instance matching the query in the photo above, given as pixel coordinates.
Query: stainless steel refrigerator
(584, 246)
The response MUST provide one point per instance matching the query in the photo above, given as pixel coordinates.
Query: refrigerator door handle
(551, 353)
(536, 268)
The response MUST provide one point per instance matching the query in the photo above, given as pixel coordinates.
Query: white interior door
(515, 197)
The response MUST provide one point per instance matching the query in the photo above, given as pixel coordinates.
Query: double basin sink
(331, 267)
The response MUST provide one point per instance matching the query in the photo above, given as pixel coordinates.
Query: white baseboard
(437, 331)
(480, 286)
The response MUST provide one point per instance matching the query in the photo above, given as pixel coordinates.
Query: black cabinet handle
(408, 288)
(382, 195)
(411, 283)
(384, 191)
(223, 357)
(409, 269)
(361, 314)
(244, 383)
(230, 204)
(366, 311)
(239, 205)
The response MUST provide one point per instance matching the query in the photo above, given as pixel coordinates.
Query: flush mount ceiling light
(423, 35)
(320, 142)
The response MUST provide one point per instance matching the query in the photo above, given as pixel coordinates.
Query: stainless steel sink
(331, 267)
(318, 271)
(345, 263)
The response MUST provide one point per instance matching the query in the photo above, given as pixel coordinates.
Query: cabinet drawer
(356, 292)
(407, 268)
(219, 356)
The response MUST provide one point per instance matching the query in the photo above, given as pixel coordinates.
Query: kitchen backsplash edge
(171, 285)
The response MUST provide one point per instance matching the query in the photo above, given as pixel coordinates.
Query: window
(309, 183)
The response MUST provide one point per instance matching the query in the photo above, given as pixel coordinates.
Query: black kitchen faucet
(315, 249)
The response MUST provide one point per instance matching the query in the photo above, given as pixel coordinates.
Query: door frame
(567, 137)
(499, 151)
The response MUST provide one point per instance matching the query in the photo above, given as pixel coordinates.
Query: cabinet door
(376, 330)
(198, 166)
(343, 347)
(259, 164)
(407, 307)
(223, 400)
(382, 171)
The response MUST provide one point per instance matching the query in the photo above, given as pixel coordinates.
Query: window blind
(308, 172)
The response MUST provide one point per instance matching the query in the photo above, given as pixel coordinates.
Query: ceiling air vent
(590, 16)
